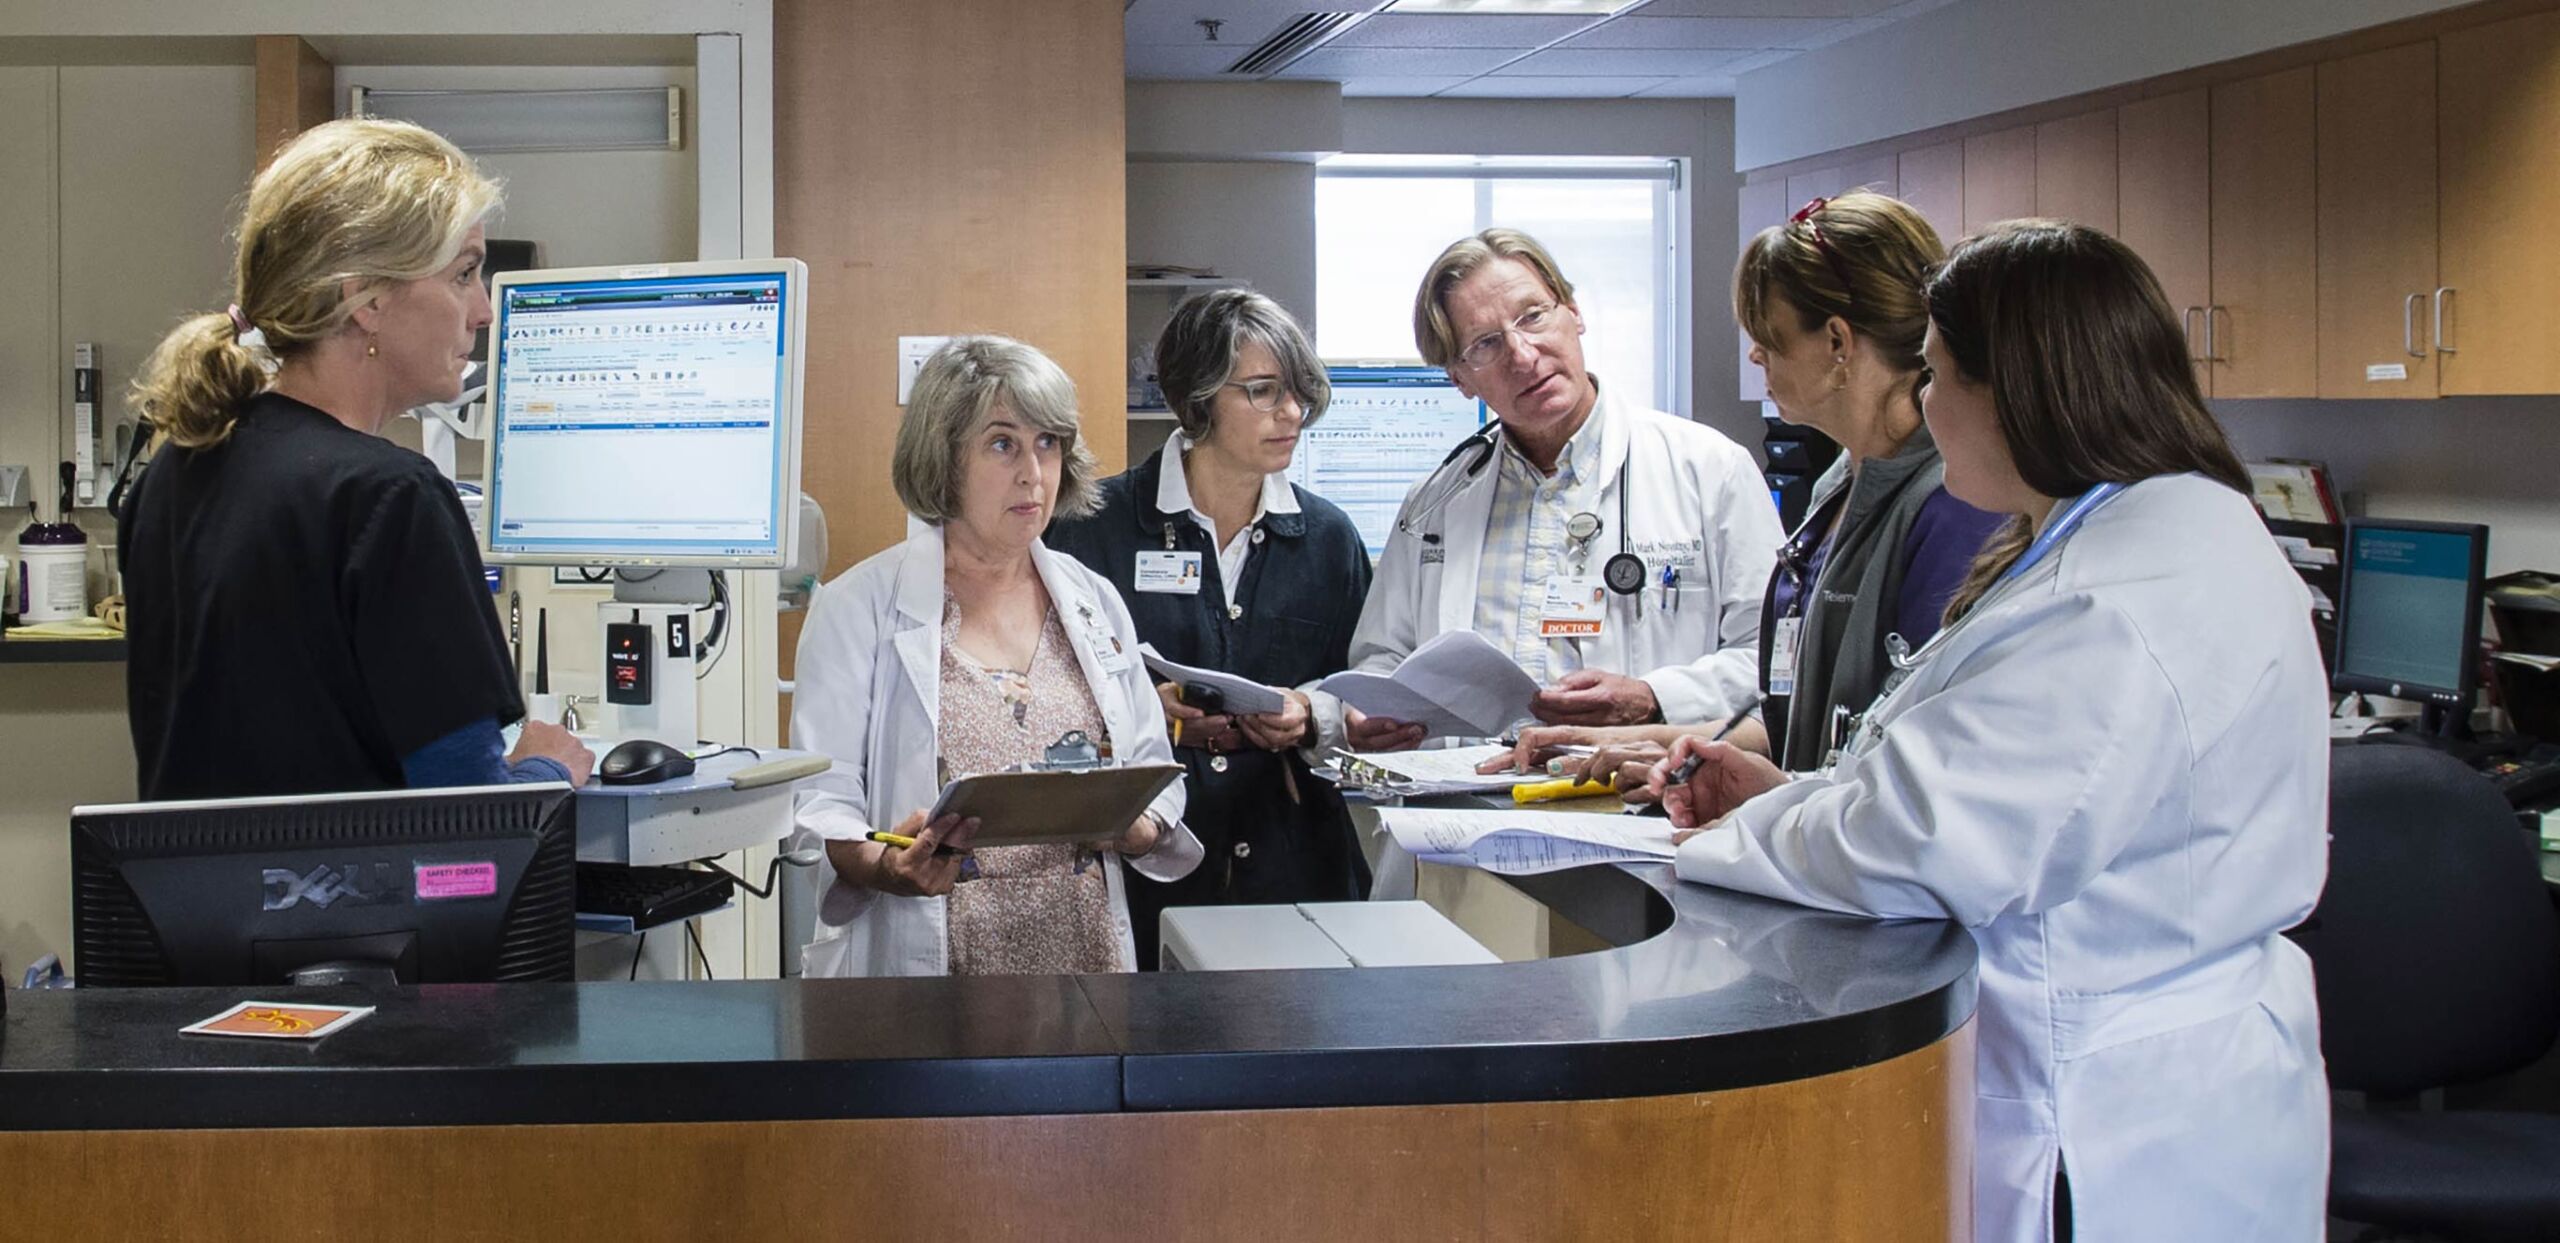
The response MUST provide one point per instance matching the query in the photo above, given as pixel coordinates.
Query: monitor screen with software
(646, 415)
(2409, 610)
(459, 886)
(1386, 430)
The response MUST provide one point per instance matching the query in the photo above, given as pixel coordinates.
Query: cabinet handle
(2187, 324)
(2441, 346)
(2409, 326)
(2210, 354)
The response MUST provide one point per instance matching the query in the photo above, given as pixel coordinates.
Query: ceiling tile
(1330, 62)
(1622, 63)
(1189, 60)
(1752, 8)
(1246, 22)
(1707, 32)
(1419, 30)
(1394, 88)
(1506, 87)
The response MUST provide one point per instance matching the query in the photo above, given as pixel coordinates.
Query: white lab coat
(2116, 774)
(867, 694)
(1699, 503)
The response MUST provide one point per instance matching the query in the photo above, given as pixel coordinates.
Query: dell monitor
(646, 416)
(454, 886)
(1387, 429)
(2409, 615)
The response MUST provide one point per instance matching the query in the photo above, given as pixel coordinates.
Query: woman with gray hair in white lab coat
(2111, 765)
(969, 648)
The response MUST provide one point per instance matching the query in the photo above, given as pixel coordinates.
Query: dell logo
(325, 885)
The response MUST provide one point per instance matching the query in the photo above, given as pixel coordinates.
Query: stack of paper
(1408, 774)
(1455, 686)
(1522, 842)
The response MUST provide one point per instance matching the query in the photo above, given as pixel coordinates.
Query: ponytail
(193, 385)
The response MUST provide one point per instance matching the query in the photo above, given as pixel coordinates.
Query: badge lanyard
(1898, 651)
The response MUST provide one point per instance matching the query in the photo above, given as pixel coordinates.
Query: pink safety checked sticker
(456, 880)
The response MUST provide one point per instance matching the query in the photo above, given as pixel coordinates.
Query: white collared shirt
(1525, 543)
(1173, 496)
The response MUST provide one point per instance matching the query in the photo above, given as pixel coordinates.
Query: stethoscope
(1623, 574)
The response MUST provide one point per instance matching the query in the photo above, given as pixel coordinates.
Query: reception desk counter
(1730, 1068)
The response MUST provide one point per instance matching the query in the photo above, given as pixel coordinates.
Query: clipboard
(1054, 805)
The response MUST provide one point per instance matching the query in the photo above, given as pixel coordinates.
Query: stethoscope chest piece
(1623, 573)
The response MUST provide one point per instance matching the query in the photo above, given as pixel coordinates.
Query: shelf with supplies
(2315, 549)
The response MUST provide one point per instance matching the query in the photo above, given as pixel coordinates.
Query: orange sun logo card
(277, 1020)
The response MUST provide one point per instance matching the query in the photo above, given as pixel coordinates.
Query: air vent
(1295, 38)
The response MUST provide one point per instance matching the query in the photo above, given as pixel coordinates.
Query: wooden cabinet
(2164, 204)
(2377, 222)
(1999, 177)
(2499, 173)
(1763, 203)
(1878, 174)
(2076, 170)
(1932, 181)
(2261, 328)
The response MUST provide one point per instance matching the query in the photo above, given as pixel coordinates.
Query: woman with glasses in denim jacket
(1226, 565)
(1832, 301)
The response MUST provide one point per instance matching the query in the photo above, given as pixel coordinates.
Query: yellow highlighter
(1549, 791)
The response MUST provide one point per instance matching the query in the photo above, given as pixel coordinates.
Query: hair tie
(239, 322)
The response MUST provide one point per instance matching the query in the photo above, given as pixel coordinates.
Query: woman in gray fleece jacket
(1832, 301)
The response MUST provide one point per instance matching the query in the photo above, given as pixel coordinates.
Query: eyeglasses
(1805, 216)
(1540, 320)
(1263, 395)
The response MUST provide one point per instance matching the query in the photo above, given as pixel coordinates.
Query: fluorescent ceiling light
(1551, 8)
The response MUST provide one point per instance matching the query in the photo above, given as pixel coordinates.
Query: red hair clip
(1805, 216)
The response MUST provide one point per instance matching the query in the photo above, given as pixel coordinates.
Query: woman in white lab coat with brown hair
(2111, 765)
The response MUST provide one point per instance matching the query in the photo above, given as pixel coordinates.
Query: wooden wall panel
(958, 166)
(297, 89)
(1999, 177)
(1880, 1154)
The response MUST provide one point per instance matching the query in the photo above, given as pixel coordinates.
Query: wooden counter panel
(1880, 1153)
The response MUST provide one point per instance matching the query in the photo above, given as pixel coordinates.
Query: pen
(904, 842)
(1689, 767)
(1548, 791)
(1177, 721)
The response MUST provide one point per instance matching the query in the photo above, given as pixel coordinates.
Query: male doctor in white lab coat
(1513, 536)
(2110, 765)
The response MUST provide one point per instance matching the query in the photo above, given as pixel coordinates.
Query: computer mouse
(642, 761)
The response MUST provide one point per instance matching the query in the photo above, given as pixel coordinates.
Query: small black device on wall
(626, 662)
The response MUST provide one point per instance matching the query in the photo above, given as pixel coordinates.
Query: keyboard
(649, 896)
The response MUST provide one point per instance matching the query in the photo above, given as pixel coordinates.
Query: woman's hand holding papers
(1282, 730)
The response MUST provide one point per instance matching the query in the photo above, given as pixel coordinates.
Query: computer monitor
(471, 885)
(1387, 429)
(2409, 612)
(646, 416)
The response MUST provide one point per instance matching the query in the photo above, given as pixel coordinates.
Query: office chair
(2437, 956)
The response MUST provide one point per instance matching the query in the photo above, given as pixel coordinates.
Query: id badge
(1782, 656)
(1169, 573)
(1576, 607)
(1109, 654)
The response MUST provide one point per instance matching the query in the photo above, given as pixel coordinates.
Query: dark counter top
(62, 651)
(1707, 990)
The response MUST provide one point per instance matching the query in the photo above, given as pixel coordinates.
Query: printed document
(1455, 686)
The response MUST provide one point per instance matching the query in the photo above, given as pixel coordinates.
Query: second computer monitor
(2409, 610)
(1386, 430)
(646, 415)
